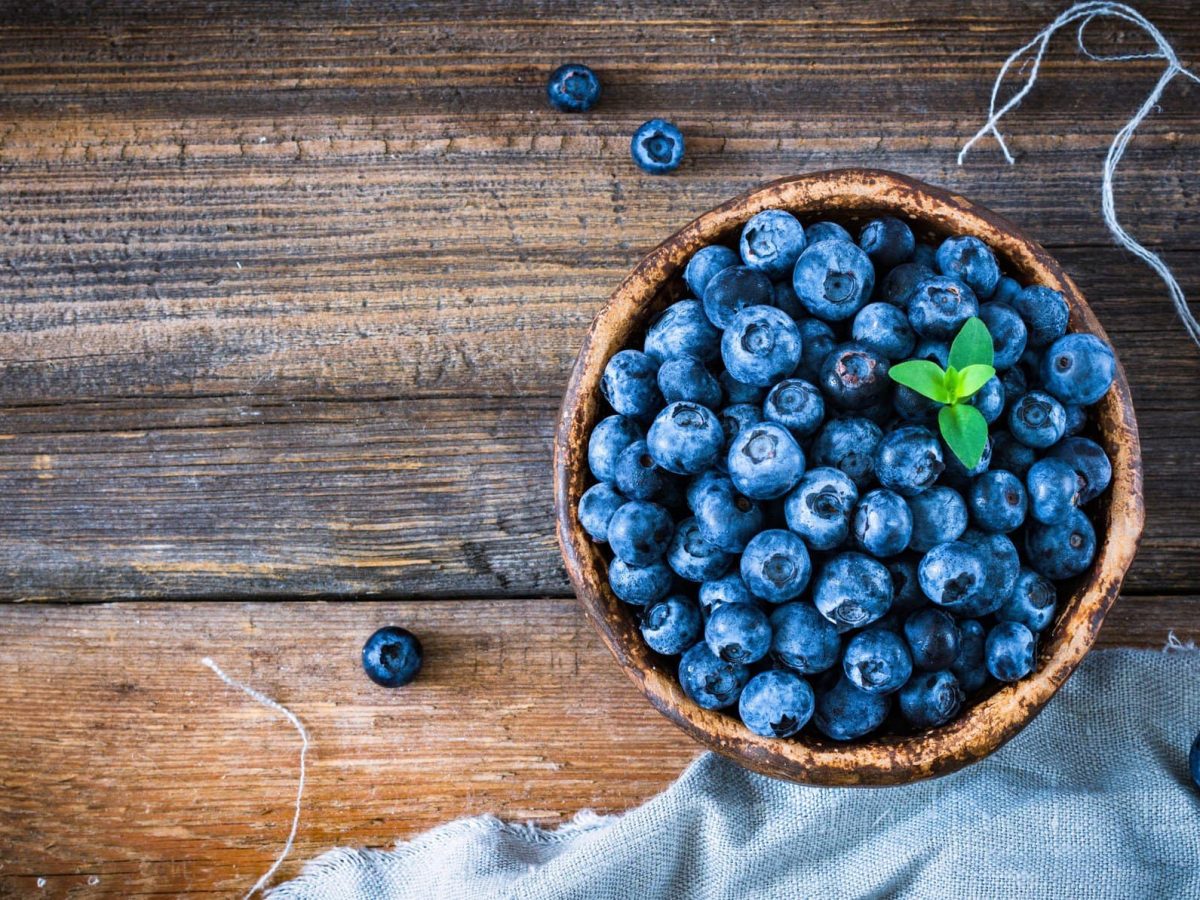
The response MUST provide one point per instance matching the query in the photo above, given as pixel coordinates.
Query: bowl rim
(892, 759)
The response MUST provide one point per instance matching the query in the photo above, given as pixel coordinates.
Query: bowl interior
(849, 197)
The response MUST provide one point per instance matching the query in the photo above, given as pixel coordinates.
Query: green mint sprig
(971, 356)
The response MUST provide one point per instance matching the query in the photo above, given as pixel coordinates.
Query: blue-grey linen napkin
(1092, 800)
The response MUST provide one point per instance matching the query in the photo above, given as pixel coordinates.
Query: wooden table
(290, 293)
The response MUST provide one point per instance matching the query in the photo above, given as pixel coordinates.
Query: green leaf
(973, 346)
(950, 381)
(971, 379)
(924, 377)
(965, 431)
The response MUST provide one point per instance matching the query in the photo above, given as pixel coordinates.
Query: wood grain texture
(126, 761)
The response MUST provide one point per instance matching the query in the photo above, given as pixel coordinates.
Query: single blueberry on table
(776, 703)
(833, 279)
(816, 342)
(686, 438)
(1011, 455)
(939, 515)
(884, 328)
(1033, 602)
(771, 242)
(888, 241)
(705, 264)
(969, 666)
(638, 476)
(883, 523)
(972, 262)
(596, 508)
(609, 439)
(1001, 565)
(909, 460)
(1078, 369)
(855, 377)
(1062, 550)
(906, 587)
(849, 445)
(820, 506)
(1006, 290)
(1045, 312)
(724, 516)
(1008, 332)
(630, 384)
(710, 681)
(1009, 651)
(989, 399)
(1037, 420)
(693, 558)
(899, 284)
(765, 461)
(775, 566)
(803, 639)
(761, 346)
(657, 147)
(738, 632)
(392, 656)
(931, 699)
(853, 590)
(933, 638)
(639, 585)
(672, 625)
(738, 393)
(826, 231)
(940, 306)
(734, 289)
(953, 574)
(844, 713)
(1091, 464)
(639, 532)
(998, 501)
(797, 405)
(687, 378)
(1053, 490)
(727, 589)
(682, 329)
(573, 88)
(877, 661)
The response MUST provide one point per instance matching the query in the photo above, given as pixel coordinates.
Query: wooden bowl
(848, 196)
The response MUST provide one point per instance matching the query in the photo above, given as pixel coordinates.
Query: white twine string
(1084, 13)
(291, 717)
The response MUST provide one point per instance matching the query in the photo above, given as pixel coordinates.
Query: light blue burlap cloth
(1093, 799)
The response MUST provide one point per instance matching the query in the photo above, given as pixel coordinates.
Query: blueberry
(833, 279)
(609, 439)
(854, 377)
(596, 508)
(710, 681)
(1006, 290)
(738, 633)
(727, 589)
(775, 566)
(932, 637)
(630, 384)
(1009, 651)
(783, 297)
(913, 407)
(939, 515)
(826, 231)
(734, 289)
(1011, 455)
(1037, 420)
(972, 262)
(1033, 602)
(725, 517)
(1053, 490)
(969, 666)
(737, 393)
(638, 477)
(849, 445)
(925, 255)
(734, 420)
(908, 460)
(888, 241)
(776, 704)
(761, 346)
(639, 532)
(392, 656)
(1001, 564)
(685, 438)
(1078, 368)
(639, 585)
(686, 378)
(657, 147)
(672, 625)
(819, 508)
(1091, 465)
(693, 558)
(1062, 550)
(998, 501)
(573, 88)
(1077, 418)
(953, 574)
(771, 242)
(898, 286)
(959, 476)
(940, 306)
(1015, 383)
(883, 523)
(931, 699)
(844, 713)
(876, 661)
(803, 639)
(682, 329)
(705, 264)
(1045, 312)
(1194, 761)
(906, 587)
(796, 405)
(989, 399)
(934, 351)
(816, 342)
(765, 461)
(1008, 332)
(853, 590)
(884, 329)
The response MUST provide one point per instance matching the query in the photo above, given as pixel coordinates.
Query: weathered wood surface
(124, 759)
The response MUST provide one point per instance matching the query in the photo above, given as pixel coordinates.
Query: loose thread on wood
(1084, 14)
(291, 717)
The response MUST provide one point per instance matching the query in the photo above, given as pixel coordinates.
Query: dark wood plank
(123, 760)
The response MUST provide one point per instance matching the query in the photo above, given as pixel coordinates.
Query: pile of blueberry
(790, 520)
